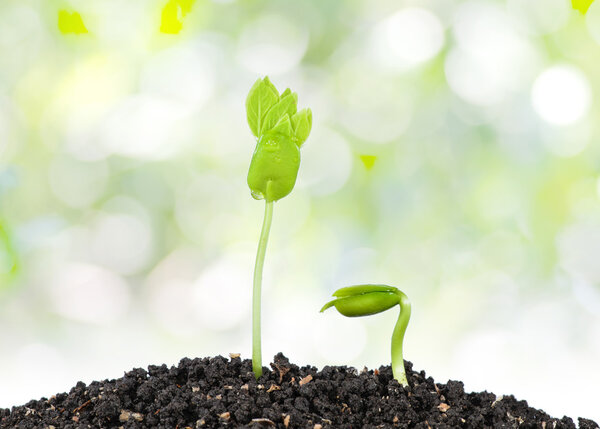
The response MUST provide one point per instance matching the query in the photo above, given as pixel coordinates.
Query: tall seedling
(280, 130)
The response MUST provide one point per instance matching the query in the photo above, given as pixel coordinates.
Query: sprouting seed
(280, 130)
(364, 300)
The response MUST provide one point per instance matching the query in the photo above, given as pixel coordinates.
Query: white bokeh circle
(561, 95)
(89, 293)
(272, 44)
(406, 38)
(482, 66)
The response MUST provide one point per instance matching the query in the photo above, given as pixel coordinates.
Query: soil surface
(221, 392)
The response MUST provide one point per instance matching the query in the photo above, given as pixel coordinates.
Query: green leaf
(262, 96)
(284, 126)
(328, 305)
(287, 105)
(302, 124)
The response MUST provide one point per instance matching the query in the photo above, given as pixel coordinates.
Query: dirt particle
(195, 389)
(273, 387)
(264, 422)
(305, 380)
(512, 418)
(498, 399)
(138, 417)
(281, 369)
(85, 404)
(443, 407)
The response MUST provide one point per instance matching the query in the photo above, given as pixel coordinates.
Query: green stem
(256, 293)
(398, 338)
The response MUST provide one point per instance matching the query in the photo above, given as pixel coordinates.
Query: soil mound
(221, 392)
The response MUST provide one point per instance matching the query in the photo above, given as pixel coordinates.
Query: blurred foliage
(70, 23)
(582, 5)
(8, 258)
(171, 20)
(368, 161)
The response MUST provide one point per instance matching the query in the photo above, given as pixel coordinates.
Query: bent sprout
(364, 300)
(280, 130)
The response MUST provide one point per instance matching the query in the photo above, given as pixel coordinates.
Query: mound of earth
(221, 392)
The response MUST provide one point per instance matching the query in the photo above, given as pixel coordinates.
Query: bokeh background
(455, 153)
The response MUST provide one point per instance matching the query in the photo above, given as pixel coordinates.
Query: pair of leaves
(363, 300)
(267, 111)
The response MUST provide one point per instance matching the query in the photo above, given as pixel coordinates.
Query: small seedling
(280, 130)
(364, 300)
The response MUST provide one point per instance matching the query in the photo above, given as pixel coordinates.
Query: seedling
(280, 130)
(364, 300)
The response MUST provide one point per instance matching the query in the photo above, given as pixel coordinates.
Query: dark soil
(218, 392)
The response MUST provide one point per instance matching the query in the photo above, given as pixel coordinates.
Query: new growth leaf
(265, 108)
(262, 96)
